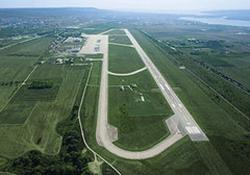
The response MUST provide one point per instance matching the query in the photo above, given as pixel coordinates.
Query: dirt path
(14, 44)
(19, 87)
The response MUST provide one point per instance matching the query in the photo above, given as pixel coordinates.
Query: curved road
(128, 74)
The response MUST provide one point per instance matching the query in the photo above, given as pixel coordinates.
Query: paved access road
(180, 124)
(128, 74)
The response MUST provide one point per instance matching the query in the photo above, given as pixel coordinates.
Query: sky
(147, 5)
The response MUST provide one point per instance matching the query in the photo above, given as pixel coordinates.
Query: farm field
(13, 71)
(11, 41)
(124, 59)
(39, 130)
(223, 48)
(34, 48)
(16, 64)
(39, 101)
(138, 109)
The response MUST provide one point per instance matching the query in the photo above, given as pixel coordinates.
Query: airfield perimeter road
(182, 121)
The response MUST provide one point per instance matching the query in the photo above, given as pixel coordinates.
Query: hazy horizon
(147, 5)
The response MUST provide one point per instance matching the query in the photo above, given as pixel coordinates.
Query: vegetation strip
(5, 47)
(22, 84)
(81, 127)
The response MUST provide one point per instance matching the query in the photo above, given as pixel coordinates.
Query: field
(6, 42)
(90, 105)
(116, 32)
(97, 28)
(124, 59)
(29, 115)
(13, 71)
(138, 109)
(183, 157)
(222, 47)
(219, 120)
(17, 62)
(39, 130)
(42, 83)
(120, 39)
(34, 48)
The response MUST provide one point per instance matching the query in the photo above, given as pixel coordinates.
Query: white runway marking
(161, 87)
(167, 87)
(193, 130)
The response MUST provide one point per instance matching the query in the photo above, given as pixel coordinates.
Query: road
(180, 124)
(125, 45)
(19, 87)
(128, 74)
(81, 127)
(14, 44)
(106, 31)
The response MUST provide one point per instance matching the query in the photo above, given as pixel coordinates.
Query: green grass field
(90, 104)
(2, 161)
(10, 41)
(138, 109)
(38, 112)
(34, 48)
(16, 63)
(12, 71)
(39, 131)
(120, 39)
(218, 120)
(34, 113)
(24, 101)
(96, 56)
(124, 59)
(116, 32)
(182, 158)
(221, 123)
(15, 68)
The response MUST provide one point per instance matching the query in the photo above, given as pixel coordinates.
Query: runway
(186, 123)
(180, 125)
